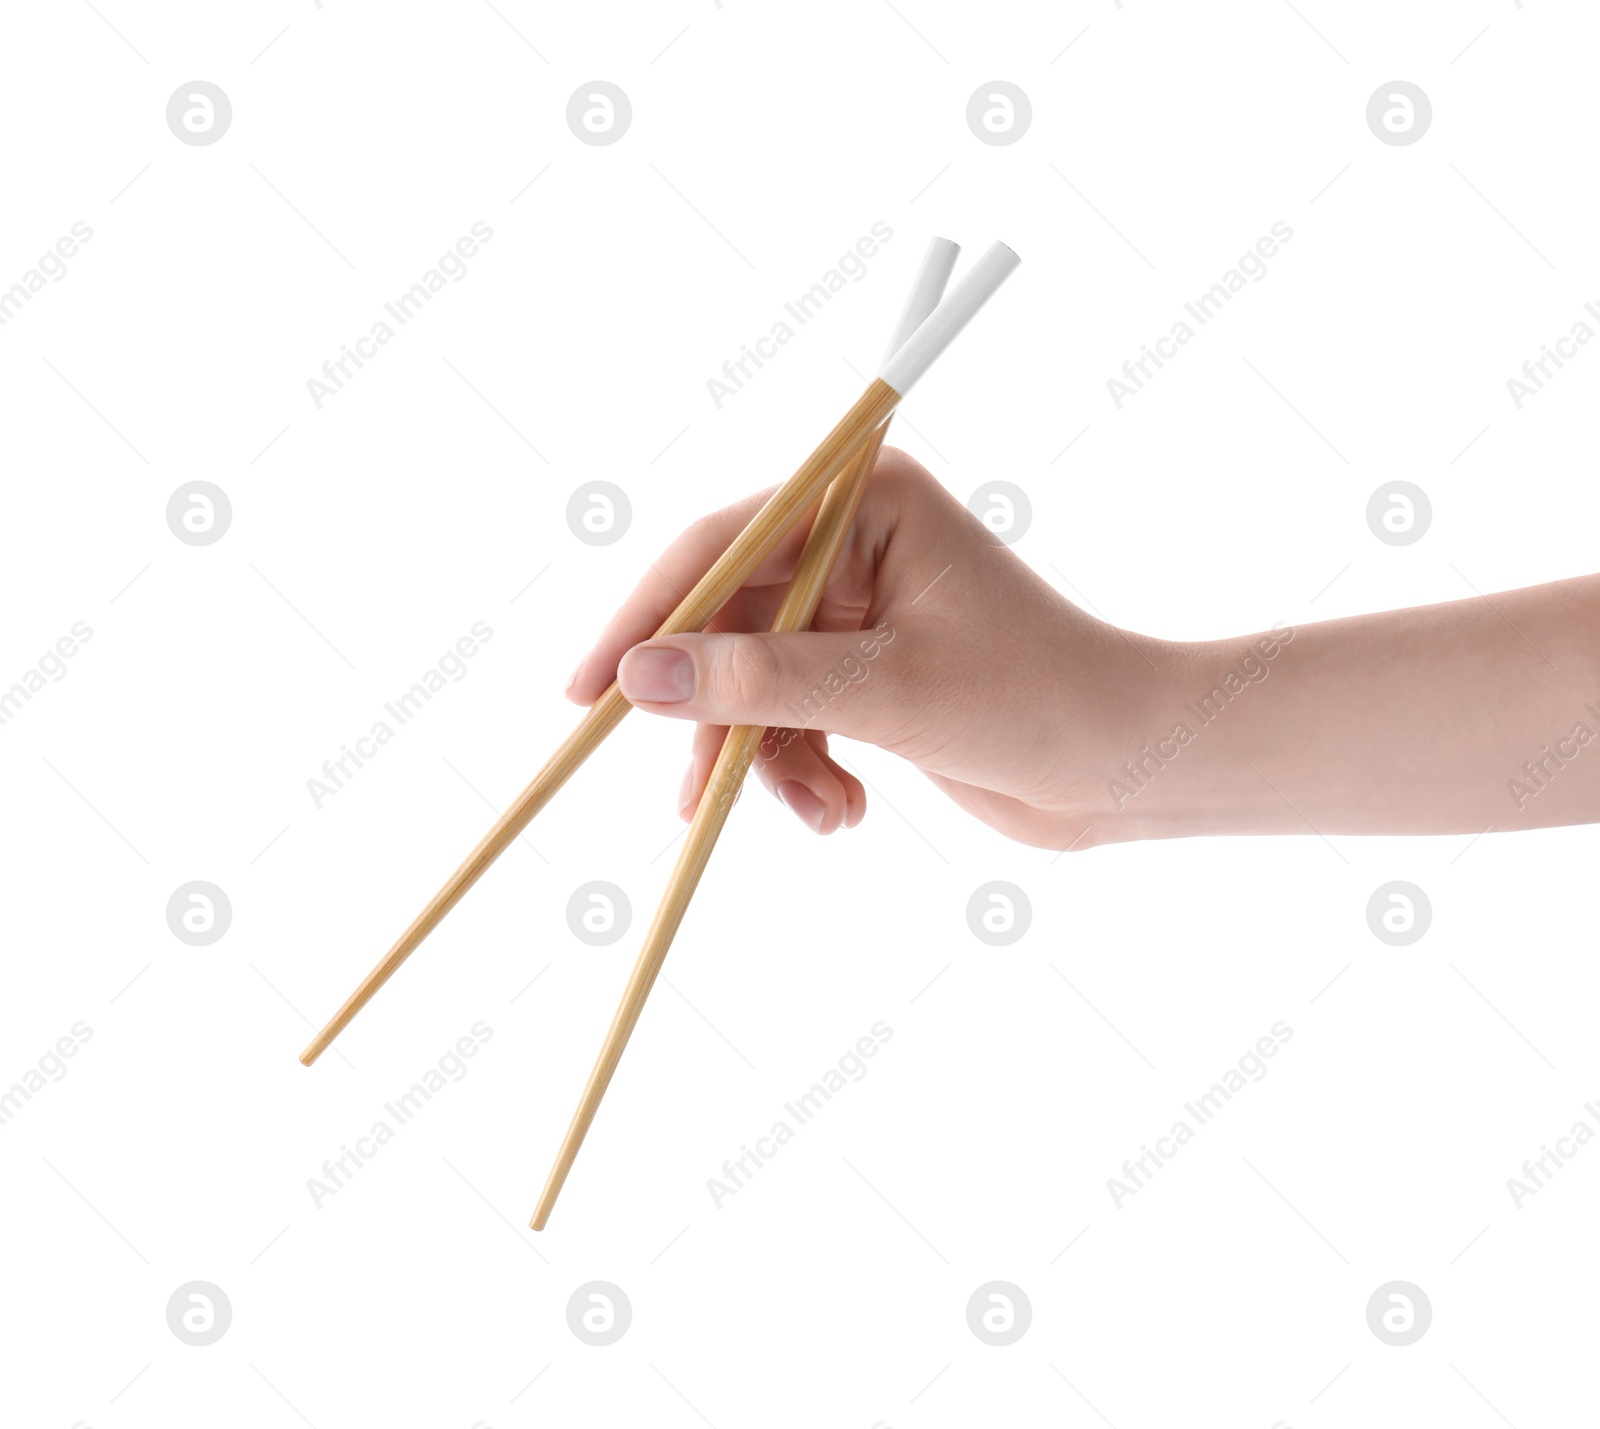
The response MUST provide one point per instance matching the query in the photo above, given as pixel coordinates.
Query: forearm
(1441, 719)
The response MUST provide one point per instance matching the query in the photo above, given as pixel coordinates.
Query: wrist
(1175, 765)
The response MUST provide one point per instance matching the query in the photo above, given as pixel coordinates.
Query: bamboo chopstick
(727, 775)
(758, 539)
(732, 569)
(798, 608)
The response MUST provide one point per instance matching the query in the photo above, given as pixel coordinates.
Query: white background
(368, 536)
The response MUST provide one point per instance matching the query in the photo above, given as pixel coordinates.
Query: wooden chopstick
(715, 588)
(798, 608)
(735, 566)
(727, 775)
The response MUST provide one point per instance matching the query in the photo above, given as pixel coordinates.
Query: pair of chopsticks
(845, 458)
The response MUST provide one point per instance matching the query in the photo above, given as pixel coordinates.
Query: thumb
(849, 682)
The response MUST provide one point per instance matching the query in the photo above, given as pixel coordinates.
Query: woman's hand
(935, 642)
(932, 640)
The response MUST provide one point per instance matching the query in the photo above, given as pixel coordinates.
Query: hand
(932, 640)
(935, 642)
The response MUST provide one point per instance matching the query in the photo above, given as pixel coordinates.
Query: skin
(1029, 712)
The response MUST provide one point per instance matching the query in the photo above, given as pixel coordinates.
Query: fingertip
(855, 807)
(584, 685)
(809, 809)
(657, 674)
(852, 789)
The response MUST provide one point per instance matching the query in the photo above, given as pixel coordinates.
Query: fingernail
(577, 670)
(687, 789)
(807, 807)
(657, 674)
